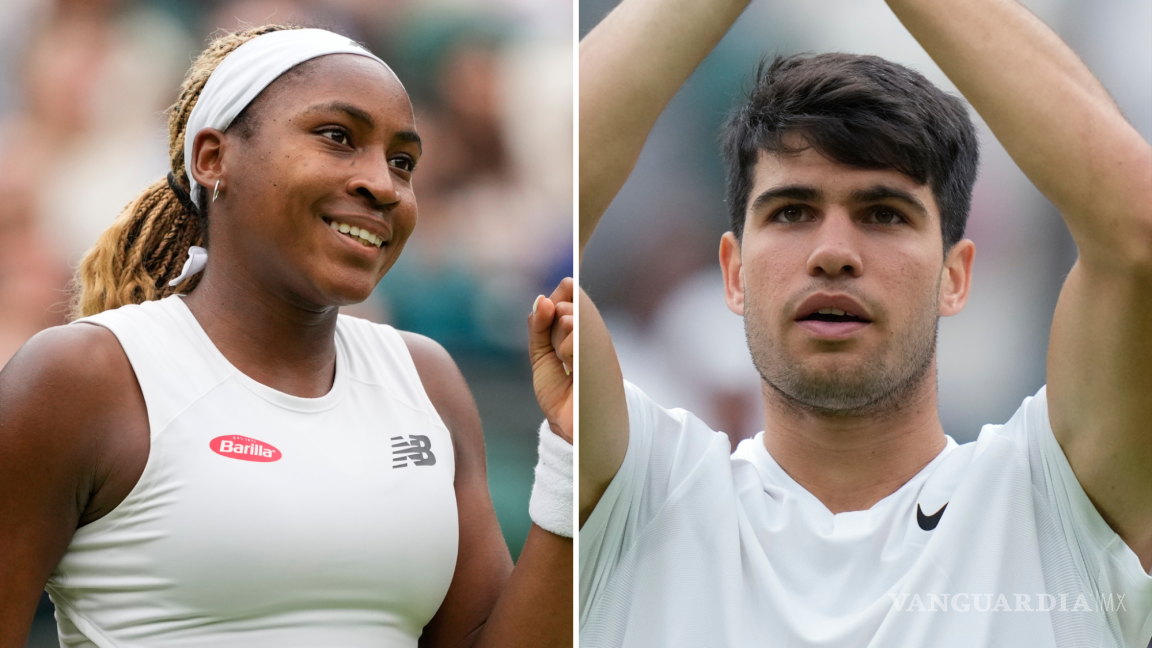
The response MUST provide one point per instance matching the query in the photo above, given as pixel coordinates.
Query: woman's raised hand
(550, 348)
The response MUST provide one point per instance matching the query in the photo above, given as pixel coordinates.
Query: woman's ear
(208, 157)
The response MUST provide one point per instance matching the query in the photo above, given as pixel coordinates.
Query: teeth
(362, 236)
(831, 311)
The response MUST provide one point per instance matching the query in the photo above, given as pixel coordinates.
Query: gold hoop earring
(216, 191)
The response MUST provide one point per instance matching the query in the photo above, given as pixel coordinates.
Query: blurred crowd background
(652, 265)
(83, 89)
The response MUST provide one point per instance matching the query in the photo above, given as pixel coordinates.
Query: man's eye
(789, 214)
(336, 135)
(887, 217)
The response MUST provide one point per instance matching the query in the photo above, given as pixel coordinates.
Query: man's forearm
(631, 65)
(1043, 104)
(603, 408)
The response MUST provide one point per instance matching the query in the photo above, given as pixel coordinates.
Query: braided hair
(147, 244)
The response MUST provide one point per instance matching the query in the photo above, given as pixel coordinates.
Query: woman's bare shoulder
(69, 401)
(442, 379)
(63, 359)
(448, 392)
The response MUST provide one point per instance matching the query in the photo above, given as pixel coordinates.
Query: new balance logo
(417, 449)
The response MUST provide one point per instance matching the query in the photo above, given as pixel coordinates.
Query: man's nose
(837, 250)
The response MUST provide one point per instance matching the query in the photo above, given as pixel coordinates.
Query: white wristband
(551, 504)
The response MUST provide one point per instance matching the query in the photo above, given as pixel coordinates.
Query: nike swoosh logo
(929, 522)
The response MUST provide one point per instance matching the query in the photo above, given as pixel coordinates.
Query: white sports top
(263, 519)
(691, 547)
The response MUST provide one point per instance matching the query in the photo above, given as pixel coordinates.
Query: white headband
(238, 79)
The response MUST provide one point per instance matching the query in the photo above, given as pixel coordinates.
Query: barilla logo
(241, 447)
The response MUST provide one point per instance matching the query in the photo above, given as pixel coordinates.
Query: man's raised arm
(631, 65)
(1065, 132)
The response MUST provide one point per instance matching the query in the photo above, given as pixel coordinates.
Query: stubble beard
(879, 384)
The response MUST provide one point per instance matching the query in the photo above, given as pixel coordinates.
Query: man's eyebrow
(880, 193)
(789, 192)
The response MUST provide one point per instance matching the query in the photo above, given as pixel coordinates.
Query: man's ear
(208, 157)
(733, 268)
(957, 277)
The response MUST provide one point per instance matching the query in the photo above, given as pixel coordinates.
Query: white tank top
(263, 519)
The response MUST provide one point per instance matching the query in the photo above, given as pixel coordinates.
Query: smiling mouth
(363, 237)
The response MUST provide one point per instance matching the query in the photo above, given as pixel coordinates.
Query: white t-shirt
(693, 547)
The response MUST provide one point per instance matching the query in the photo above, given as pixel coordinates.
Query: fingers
(562, 325)
(566, 349)
(551, 324)
(540, 328)
(541, 317)
(550, 348)
(563, 292)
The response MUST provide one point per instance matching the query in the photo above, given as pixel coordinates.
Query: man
(852, 520)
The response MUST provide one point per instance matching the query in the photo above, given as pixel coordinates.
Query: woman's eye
(789, 214)
(336, 135)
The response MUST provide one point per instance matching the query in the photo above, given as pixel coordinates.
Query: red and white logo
(242, 447)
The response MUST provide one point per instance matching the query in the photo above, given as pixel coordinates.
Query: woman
(239, 466)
